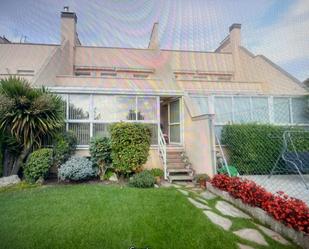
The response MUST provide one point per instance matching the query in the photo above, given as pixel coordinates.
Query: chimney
(68, 26)
(154, 38)
(235, 34)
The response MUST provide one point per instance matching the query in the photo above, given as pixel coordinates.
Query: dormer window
(82, 73)
(108, 74)
(25, 72)
(143, 76)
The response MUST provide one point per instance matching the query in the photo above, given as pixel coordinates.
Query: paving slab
(225, 223)
(201, 200)
(208, 195)
(183, 192)
(274, 235)
(242, 246)
(198, 204)
(251, 235)
(229, 210)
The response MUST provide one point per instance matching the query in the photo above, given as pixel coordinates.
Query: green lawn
(97, 216)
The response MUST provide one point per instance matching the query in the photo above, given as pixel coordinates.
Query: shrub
(77, 169)
(1, 157)
(130, 143)
(100, 151)
(255, 148)
(64, 145)
(292, 212)
(156, 172)
(38, 164)
(145, 179)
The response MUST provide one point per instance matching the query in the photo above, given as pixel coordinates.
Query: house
(184, 96)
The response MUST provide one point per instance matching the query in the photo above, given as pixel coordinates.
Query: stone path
(251, 235)
(198, 204)
(219, 211)
(229, 210)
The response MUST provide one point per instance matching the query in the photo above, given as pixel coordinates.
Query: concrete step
(175, 165)
(182, 170)
(172, 178)
(174, 160)
(173, 156)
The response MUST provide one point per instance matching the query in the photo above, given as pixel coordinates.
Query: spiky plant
(29, 115)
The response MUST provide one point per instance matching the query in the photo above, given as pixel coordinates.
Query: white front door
(174, 122)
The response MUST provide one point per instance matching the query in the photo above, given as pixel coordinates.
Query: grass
(96, 216)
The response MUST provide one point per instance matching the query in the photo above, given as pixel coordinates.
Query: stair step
(174, 160)
(175, 165)
(174, 151)
(182, 170)
(180, 178)
(173, 156)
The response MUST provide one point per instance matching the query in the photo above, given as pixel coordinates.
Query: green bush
(64, 145)
(156, 172)
(1, 157)
(38, 164)
(130, 143)
(145, 179)
(100, 151)
(254, 148)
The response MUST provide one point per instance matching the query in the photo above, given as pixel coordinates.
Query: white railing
(223, 156)
(162, 151)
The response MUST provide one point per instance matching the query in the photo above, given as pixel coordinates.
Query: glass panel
(82, 132)
(125, 108)
(154, 133)
(147, 108)
(174, 112)
(299, 107)
(260, 110)
(175, 133)
(223, 109)
(242, 110)
(105, 107)
(79, 106)
(201, 104)
(101, 130)
(64, 106)
(282, 110)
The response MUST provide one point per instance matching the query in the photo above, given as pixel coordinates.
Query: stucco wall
(198, 145)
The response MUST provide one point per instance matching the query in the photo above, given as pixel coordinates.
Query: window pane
(299, 106)
(175, 133)
(105, 107)
(79, 106)
(125, 108)
(64, 104)
(242, 110)
(147, 108)
(201, 104)
(82, 132)
(174, 112)
(154, 133)
(223, 109)
(260, 111)
(101, 130)
(282, 110)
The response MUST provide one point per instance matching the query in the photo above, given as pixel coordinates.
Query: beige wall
(198, 145)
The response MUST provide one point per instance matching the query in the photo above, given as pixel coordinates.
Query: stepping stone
(175, 185)
(183, 192)
(201, 200)
(252, 235)
(207, 195)
(225, 223)
(229, 210)
(272, 234)
(242, 246)
(198, 204)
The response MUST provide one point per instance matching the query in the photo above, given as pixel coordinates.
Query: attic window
(200, 76)
(224, 77)
(140, 76)
(25, 72)
(81, 73)
(109, 74)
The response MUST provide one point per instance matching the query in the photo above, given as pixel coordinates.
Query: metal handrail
(223, 156)
(162, 151)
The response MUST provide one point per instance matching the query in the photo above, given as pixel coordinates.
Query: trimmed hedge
(38, 165)
(130, 143)
(100, 151)
(145, 179)
(1, 157)
(254, 148)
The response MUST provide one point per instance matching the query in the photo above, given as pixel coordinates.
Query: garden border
(299, 238)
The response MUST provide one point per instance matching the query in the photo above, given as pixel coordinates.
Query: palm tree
(28, 115)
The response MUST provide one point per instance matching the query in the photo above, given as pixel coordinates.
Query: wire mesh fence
(272, 155)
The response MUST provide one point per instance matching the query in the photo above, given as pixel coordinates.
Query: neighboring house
(185, 94)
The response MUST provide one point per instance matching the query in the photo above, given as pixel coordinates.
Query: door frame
(179, 99)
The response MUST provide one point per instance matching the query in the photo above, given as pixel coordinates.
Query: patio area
(292, 185)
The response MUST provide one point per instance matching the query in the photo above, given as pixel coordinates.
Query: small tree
(130, 143)
(28, 116)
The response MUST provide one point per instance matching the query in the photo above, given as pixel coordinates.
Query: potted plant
(202, 179)
(158, 174)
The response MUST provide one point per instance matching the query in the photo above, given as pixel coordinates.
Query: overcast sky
(278, 29)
